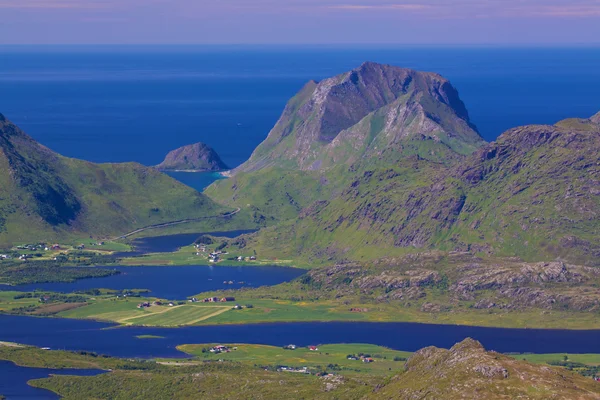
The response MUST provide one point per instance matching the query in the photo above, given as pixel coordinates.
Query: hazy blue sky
(300, 21)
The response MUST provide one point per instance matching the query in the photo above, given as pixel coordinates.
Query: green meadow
(327, 357)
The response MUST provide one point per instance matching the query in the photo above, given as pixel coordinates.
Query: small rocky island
(198, 157)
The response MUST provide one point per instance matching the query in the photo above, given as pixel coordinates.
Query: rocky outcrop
(196, 157)
(468, 371)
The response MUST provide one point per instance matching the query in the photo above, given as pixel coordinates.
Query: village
(147, 304)
(217, 255)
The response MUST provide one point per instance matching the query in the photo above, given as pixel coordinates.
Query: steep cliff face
(194, 157)
(44, 196)
(373, 111)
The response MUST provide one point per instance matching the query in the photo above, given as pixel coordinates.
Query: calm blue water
(197, 180)
(174, 283)
(137, 103)
(13, 380)
(71, 334)
(170, 243)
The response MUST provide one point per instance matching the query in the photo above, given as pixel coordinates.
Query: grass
(331, 354)
(177, 316)
(9, 303)
(125, 311)
(187, 256)
(149, 337)
(587, 359)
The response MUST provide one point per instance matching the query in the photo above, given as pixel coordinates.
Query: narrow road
(183, 221)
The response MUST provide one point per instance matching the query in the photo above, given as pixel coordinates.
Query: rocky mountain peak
(596, 118)
(363, 112)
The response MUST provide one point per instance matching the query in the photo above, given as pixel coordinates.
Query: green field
(179, 315)
(331, 356)
(587, 359)
(126, 312)
(187, 256)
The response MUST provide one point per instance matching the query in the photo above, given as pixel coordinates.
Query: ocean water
(113, 104)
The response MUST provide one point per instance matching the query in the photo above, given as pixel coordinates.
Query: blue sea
(135, 103)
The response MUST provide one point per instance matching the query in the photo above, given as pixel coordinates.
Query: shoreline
(119, 325)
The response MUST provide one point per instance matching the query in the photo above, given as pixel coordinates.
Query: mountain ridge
(318, 122)
(534, 193)
(45, 196)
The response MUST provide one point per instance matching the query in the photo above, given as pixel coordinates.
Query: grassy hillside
(254, 372)
(46, 197)
(533, 193)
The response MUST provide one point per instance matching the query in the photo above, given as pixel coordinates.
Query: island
(197, 157)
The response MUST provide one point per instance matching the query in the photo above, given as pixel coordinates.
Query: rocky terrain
(372, 111)
(437, 282)
(384, 161)
(467, 371)
(45, 196)
(534, 193)
(196, 157)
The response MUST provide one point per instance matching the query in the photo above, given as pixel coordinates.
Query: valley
(374, 212)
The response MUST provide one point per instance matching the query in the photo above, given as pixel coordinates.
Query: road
(183, 221)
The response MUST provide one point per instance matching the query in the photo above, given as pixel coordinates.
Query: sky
(458, 22)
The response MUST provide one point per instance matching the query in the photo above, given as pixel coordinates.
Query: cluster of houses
(221, 349)
(212, 300)
(251, 258)
(155, 303)
(5, 257)
(300, 370)
(294, 347)
(215, 256)
(362, 357)
(33, 247)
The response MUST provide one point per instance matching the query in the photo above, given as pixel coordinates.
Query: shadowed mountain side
(44, 196)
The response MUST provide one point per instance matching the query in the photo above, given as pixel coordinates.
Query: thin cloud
(569, 11)
(54, 5)
(360, 7)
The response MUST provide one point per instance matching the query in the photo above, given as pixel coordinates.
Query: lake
(13, 380)
(174, 282)
(69, 334)
(170, 243)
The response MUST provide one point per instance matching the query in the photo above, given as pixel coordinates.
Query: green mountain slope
(44, 196)
(534, 193)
